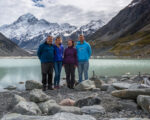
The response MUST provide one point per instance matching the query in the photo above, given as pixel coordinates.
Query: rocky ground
(112, 103)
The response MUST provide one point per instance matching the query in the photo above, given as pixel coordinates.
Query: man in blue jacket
(46, 55)
(83, 52)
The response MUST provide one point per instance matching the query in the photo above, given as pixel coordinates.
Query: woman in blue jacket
(46, 55)
(59, 49)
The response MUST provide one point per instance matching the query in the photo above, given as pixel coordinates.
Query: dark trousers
(70, 75)
(47, 73)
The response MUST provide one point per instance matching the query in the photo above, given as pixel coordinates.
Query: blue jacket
(83, 51)
(46, 53)
(58, 53)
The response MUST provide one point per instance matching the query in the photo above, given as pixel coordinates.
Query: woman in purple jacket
(70, 63)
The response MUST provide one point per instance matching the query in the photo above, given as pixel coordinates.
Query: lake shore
(92, 57)
(114, 107)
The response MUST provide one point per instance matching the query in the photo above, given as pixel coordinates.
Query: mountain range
(28, 32)
(127, 34)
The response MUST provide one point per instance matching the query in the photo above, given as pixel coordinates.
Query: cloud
(77, 13)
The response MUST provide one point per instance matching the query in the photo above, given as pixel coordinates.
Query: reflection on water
(13, 71)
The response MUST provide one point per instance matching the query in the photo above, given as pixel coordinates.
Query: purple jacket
(70, 56)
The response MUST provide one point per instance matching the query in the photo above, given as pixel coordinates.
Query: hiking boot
(44, 88)
(50, 88)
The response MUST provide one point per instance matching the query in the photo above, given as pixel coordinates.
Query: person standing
(83, 52)
(70, 63)
(59, 49)
(46, 55)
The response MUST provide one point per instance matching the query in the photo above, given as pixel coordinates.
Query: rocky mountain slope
(8, 48)
(127, 34)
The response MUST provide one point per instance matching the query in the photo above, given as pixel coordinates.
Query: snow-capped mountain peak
(29, 32)
(28, 18)
(91, 27)
(27, 29)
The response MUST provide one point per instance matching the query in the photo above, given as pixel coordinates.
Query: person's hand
(75, 66)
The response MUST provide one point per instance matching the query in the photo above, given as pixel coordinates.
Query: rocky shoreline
(118, 98)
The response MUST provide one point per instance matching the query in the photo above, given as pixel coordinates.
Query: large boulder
(32, 84)
(130, 93)
(85, 85)
(16, 99)
(70, 109)
(27, 108)
(88, 101)
(38, 95)
(58, 116)
(95, 109)
(121, 86)
(144, 102)
(49, 107)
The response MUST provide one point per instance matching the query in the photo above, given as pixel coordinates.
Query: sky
(75, 12)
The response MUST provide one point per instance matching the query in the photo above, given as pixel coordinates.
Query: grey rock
(96, 89)
(70, 109)
(49, 105)
(32, 84)
(124, 79)
(88, 101)
(128, 105)
(135, 86)
(38, 95)
(110, 89)
(85, 85)
(111, 80)
(11, 87)
(126, 76)
(27, 108)
(104, 87)
(98, 83)
(95, 109)
(58, 116)
(144, 102)
(16, 99)
(121, 86)
(130, 93)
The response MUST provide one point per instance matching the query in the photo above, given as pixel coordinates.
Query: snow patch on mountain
(134, 3)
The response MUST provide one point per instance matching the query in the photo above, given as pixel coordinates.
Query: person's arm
(39, 52)
(89, 50)
(63, 50)
(76, 58)
(64, 57)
